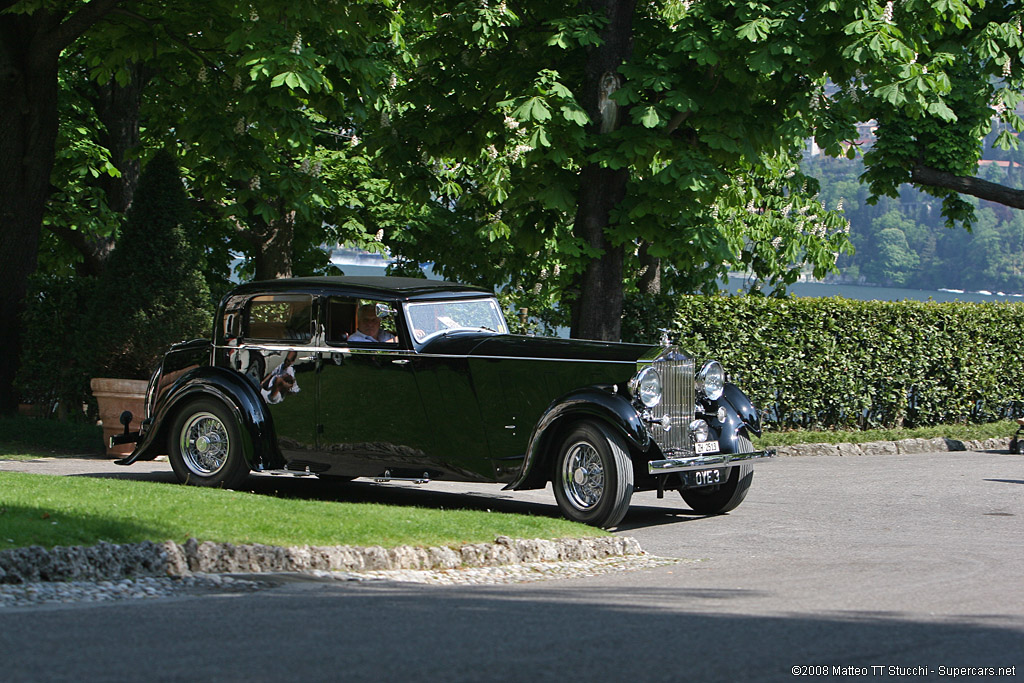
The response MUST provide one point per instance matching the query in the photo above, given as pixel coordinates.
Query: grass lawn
(46, 510)
(962, 432)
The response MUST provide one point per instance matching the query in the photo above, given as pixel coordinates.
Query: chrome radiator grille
(678, 403)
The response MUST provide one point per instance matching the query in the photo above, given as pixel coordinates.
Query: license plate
(702, 447)
(706, 477)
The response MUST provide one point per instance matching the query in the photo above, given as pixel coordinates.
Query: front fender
(259, 446)
(594, 402)
(741, 405)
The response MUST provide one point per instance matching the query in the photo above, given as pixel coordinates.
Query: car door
(277, 352)
(371, 418)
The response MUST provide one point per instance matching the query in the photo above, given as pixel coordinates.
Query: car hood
(516, 346)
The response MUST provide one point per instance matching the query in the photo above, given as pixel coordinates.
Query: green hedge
(839, 363)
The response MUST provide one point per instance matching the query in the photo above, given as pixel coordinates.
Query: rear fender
(598, 403)
(259, 445)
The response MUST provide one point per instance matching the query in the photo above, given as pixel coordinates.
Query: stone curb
(108, 561)
(904, 446)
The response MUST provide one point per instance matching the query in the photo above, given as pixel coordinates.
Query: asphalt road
(877, 567)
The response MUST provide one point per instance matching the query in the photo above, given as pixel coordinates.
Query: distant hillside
(906, 243)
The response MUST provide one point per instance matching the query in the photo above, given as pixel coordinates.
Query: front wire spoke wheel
(593, 474)
(583, 475)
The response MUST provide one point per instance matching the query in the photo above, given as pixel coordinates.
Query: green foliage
(56, 364)
(933, 75)
(152, 292)
(705, 129)
(77, 204)
(33, 437)
(837, 363)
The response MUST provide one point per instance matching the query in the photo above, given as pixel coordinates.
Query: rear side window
(280, 317)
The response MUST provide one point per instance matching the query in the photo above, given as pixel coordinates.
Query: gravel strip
(68, 592)
(35, 575)
(108, 561)
(513, 573)
(902, 447)
(75, 592)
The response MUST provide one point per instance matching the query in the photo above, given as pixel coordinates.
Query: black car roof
(371, 286)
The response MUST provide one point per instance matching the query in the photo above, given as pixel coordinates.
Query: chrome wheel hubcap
(204, 444)
(582, 476)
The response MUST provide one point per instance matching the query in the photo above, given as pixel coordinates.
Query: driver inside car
(368, 327)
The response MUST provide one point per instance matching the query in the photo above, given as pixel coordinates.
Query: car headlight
(646, 387)
(699, 431)
(711, 380)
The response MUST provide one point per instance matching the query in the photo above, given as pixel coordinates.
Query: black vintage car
(401, 378)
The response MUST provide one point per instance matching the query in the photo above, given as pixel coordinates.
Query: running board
(386, 477)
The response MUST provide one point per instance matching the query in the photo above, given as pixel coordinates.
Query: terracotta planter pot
(115, 396)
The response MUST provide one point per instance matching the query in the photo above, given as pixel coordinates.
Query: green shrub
(839, 363)
(55, 364)
(152, 292)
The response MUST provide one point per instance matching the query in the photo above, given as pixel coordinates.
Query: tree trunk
(272, 256)
(30, 47)
(597, 311)
(28, 134)
(118, 107)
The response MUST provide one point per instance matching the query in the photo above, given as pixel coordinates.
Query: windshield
(430, 318)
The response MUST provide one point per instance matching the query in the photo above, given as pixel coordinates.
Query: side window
(340, 319)
(280, 317)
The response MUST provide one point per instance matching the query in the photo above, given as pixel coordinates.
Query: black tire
(1017, 446)
(205, 446)
(593, 477)
(725, 497)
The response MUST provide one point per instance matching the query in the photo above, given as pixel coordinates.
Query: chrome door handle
(403, 361)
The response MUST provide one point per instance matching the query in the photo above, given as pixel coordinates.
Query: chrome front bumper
(688, 462)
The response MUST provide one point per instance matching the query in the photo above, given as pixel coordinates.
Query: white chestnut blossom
(519, 150)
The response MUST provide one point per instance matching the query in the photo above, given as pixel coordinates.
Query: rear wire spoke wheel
(715, 500)
(593, 477)
(205, 446)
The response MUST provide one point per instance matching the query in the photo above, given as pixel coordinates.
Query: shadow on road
(392, 632)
